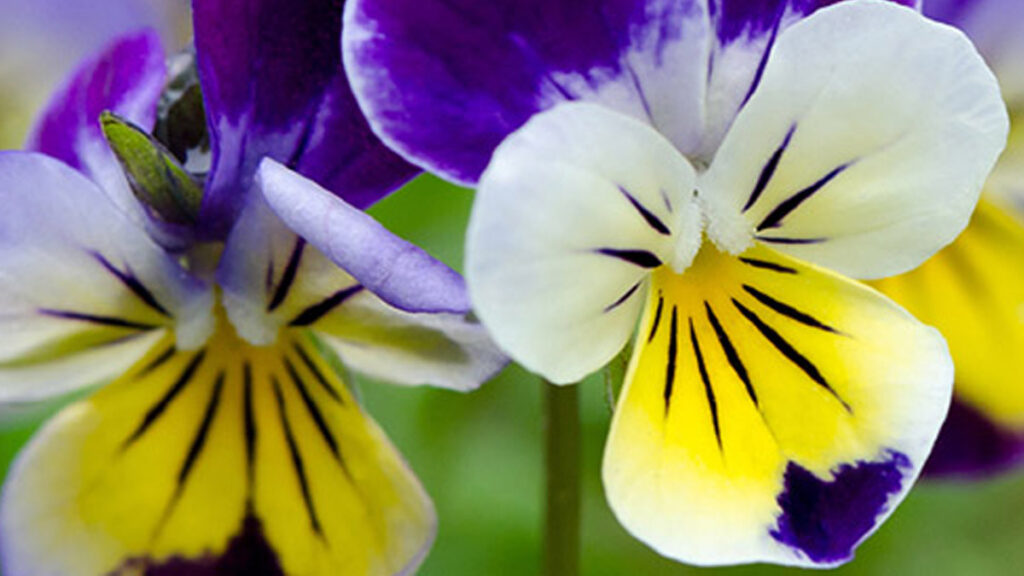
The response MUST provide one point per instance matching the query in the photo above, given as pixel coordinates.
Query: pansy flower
(227, 443)
(973, 290)
(705, 178)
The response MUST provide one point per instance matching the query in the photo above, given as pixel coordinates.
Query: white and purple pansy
(228, 442)
(705, 177)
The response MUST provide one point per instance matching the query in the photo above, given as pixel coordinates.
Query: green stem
(562, 522)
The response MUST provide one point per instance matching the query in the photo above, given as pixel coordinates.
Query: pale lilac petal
(995, 27)
(80, 280)
(971, 445)
(400, 273)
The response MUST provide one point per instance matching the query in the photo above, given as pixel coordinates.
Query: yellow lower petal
(231, 456)
(772, 411)
(973, 292)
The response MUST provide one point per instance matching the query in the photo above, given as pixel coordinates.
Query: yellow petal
(229, 456)
(973, 292)
(772, 412)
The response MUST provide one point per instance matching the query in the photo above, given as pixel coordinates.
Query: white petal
(865, 146)
(79, 281)
(563, 196)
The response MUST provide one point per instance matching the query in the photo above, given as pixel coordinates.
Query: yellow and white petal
(973, 292)
(573, 212)
(773, 412)
(862, 152)
(272, 278)
(400, 347)
(83, 289)
(228, 459)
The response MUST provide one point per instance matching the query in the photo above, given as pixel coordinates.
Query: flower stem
(562, 522)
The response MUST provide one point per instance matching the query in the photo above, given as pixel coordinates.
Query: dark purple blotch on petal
(825, 519)
(248, 554)
(972, 446)
(274, 86)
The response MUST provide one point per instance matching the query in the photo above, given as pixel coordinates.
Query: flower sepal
(156, 177)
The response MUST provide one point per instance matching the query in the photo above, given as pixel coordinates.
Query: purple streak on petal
(126, 77)
(752, 18)
(397, 271)
(274, 87)
(755, 24)
(972, 446)
(824, 520)
(444, 81)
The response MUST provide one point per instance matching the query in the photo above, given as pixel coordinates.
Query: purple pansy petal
(400, 273)
(274, 87)
(78, 25)
(445, 81)
(971, 446)
(995, 27)
(126, 78)
(469, 73)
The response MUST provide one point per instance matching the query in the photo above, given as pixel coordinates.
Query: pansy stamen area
(710, 182)
(227, 437)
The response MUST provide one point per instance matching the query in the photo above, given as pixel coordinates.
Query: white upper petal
(572, 188)
(884, 126)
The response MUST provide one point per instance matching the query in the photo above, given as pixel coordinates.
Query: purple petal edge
(400, 273)
(274, 88)
(824, 520)
(971, 447)
(444, 81)
(125, 77)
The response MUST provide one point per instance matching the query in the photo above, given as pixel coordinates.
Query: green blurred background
(480, 455)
